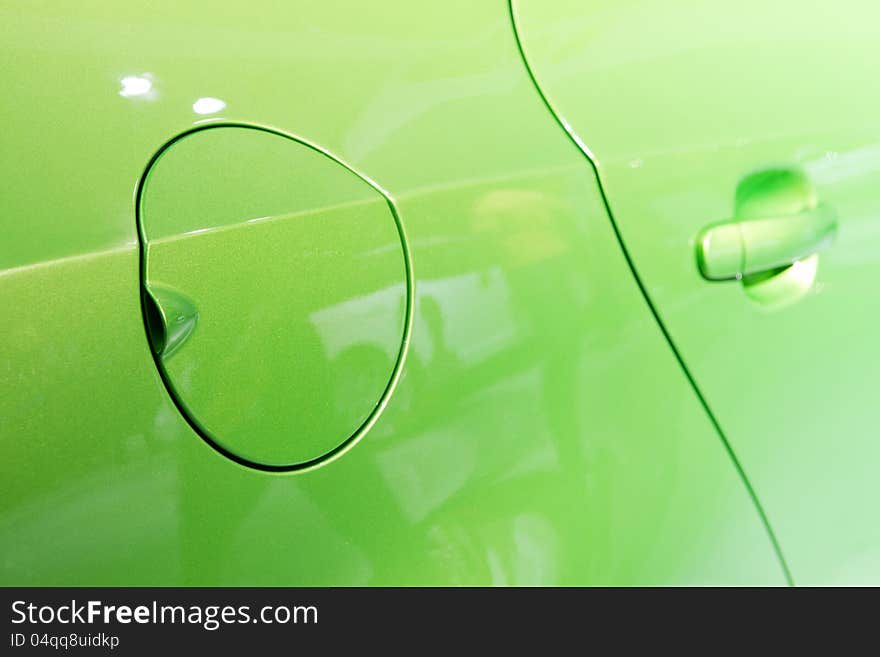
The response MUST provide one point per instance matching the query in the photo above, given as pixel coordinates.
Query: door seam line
(591, 158)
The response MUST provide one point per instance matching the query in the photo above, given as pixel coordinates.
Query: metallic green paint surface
(682, 103)
(296, 273)
(541, 432)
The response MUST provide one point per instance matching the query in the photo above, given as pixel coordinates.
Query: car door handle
(731, 250)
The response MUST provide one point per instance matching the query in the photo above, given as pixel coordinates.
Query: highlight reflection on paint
(781, 289)
(135, 85)
(208, 105)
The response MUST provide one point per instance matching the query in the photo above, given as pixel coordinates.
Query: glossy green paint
(681, 104)
(296, 271)
(541, 432)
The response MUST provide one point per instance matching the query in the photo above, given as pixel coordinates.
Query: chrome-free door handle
(735, 249)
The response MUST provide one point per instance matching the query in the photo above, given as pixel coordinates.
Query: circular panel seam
(355, 437)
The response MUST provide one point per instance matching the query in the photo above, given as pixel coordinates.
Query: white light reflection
(208, 105)
(804, 271)
(135, 85)
(787, 286)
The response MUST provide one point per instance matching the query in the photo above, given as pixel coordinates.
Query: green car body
(529, 293)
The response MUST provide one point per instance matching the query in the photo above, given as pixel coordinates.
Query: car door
(738, 147)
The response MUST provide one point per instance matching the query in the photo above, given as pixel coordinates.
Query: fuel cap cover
(276, 289)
